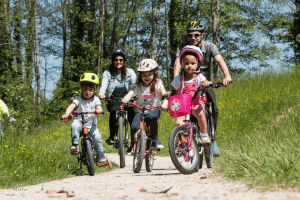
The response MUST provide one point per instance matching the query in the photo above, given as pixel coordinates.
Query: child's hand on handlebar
(99, 110)
(167, 94)
(125, 100)
(65, 116)
(164, 106)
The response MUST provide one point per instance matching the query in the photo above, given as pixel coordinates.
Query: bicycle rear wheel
(89, 156)
(139, 152)
(184, 159)
(149, 157)
(121, 142)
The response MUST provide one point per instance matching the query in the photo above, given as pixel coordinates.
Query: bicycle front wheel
(89, 156)
(149, 157)
(121, 142)
(139, 152)
(185, 159)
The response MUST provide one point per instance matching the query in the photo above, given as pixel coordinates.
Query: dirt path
(124, 184)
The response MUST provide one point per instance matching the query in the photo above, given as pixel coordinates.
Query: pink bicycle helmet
(192, 49)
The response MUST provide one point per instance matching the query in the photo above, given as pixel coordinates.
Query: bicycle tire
(139, 152)
(201, 158)
(121, 146)
(149, 157)
(177, 151)
(208, 149)
(89, 157)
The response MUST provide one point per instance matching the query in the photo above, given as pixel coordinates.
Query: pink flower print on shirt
(148, 98)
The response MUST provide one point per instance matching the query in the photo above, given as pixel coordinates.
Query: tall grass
(258, 129)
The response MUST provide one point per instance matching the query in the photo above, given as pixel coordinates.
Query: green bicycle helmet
(90, 78)
(195, 26)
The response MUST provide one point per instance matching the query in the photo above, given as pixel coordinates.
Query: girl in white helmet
(188, 81)
(148, 89)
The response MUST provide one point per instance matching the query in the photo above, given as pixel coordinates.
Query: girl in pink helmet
(188, 81)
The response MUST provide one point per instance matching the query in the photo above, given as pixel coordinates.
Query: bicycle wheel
(149, 157)
(89, 157)
(139, 152)
(184, 159)
(208, 149)
(201, 158)
(121, 142)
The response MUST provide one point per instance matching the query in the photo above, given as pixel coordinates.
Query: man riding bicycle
(195, 33)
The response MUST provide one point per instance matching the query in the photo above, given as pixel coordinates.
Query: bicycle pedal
(74, 153)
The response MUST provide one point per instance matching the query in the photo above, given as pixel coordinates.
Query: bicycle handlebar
(75, 113)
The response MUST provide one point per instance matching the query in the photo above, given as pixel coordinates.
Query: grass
(258, 134)
(258, 130)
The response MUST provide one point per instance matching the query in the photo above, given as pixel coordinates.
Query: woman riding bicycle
(148, 90)
(188, 81)
(117, 81)
(86, 102)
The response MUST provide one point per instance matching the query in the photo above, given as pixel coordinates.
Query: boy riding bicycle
(87, 102)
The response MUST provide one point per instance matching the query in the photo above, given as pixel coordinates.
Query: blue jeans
(151, 119)
(76, 128)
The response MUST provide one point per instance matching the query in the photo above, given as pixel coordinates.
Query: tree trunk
(116, 20)
(65, 25)
(101, 38)
(199, 11)
(216, 33)
(17, 37)
(167, 45)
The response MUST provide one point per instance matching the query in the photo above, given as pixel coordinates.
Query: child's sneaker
(130, 151)
(74, 150)
(158, 145)
(102, 160)
(205, 139)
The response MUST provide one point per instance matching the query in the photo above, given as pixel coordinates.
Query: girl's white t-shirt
(144, 95)
(176, 83)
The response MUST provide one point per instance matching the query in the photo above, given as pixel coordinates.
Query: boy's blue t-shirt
(84, 105)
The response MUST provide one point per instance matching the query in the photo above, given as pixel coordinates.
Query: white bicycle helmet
(147, 65)
(193, 49)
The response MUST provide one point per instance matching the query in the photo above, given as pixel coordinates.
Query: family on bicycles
(122, 83)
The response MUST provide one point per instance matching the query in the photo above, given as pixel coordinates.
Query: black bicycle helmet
(118, 53)
(195, 26)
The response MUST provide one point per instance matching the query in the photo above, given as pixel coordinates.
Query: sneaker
(110, 141)
(205, 139)
(216, 150)
(74, 150)
(102, 160)
(158, 145)
(130, 151)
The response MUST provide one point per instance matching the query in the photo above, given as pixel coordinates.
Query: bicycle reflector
(121, 107)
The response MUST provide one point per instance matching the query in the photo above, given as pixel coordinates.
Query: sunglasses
(116, 60)
(194, 35)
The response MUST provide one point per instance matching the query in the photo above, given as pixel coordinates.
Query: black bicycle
(208, 151)
(87, 155)
(121, 140)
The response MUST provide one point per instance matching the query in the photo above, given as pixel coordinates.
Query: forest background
(84, 33)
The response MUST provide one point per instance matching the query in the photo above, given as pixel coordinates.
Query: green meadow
(257, 133)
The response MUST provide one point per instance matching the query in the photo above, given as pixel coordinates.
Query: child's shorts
(198, 101)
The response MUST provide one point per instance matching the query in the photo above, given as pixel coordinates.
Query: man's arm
(176, 67)
(227, 80)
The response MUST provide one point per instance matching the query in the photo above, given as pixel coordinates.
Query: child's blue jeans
(151, 119)
(76, 128)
